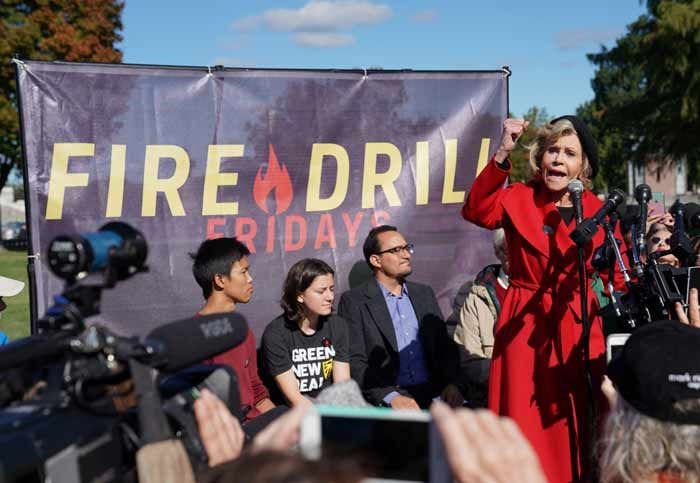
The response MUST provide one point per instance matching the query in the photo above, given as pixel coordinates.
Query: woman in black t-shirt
(307, 348)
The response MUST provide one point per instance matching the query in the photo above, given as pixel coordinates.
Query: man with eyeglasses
(400, 353)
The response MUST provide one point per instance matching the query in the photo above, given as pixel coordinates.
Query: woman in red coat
(537, 372)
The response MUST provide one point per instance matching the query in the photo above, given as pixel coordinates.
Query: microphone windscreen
(32, 349)
(642, 193)
(575, 186)
(186, 342)
(345, 393)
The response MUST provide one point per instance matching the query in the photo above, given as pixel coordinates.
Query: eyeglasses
(396, 250)
(656, 240)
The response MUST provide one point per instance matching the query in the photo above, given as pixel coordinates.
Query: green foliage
(521, 154)
(647, 89)
(15, 318)
(71, 30)
(612, 171)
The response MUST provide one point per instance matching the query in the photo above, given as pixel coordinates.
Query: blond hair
(548, 135)
(639, 448)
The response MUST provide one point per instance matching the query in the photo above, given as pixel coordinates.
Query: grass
(14, 320)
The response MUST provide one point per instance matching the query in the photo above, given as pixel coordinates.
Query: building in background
(668, 178)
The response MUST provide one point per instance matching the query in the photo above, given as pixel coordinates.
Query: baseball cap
(10, 287)
(659, 366)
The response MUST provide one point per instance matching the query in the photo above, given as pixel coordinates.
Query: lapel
(415, 295)
(380, 314)
(538, 221)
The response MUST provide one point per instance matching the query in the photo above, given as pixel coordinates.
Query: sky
(544, 43)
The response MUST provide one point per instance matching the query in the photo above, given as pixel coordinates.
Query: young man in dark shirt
(221, 267)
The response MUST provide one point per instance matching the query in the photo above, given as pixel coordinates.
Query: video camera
(653, 287)
(78, 402)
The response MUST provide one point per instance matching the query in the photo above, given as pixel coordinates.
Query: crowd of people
(510, 378)
(514, 343)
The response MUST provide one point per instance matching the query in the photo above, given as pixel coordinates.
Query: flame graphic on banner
(275, 178)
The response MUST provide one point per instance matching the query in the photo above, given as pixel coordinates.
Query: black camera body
(657, 287)
(68, 394)
(60, 442)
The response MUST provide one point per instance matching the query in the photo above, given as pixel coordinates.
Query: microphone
(35, 348)
(181, 344)
(575, 188)
(346, 393)
(642, 193)
(585, 231)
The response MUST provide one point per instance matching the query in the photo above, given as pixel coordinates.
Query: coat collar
(537, 219)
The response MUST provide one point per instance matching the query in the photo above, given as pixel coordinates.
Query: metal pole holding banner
(31, 257)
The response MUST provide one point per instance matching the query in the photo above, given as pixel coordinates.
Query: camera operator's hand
(282, 433)
(482, 447)
(693, 317)
(221, 433)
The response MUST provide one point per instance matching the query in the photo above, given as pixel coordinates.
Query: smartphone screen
(657, 204)
(386, 445)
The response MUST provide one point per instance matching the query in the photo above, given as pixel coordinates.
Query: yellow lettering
(314, 202)
(371, 179)
(115, 192)
(60, 178)
(448, 193)
(214, 178)
(422, 172)
(483, 155)
(152, 185)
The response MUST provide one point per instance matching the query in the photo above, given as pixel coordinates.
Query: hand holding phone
(657, 204)
(472, 438)
(691, 314)
(392, 445)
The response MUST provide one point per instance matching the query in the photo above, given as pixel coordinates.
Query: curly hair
(548, 135)
(637, 448)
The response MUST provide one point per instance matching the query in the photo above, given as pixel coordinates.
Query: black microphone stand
(585, 340)
(636, 256)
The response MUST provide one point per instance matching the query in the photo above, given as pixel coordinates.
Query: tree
(647, 88)
(612, 171)
(70, 30)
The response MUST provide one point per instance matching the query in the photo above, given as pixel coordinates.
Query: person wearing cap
(652, 432)
(538, 369)
(9, 287)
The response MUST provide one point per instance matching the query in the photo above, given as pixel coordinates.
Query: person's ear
(219, 281)
(374, 261)
(300, 298)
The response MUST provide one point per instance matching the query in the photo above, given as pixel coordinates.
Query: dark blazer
(374, 356)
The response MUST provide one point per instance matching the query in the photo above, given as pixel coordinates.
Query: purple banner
(295, 163)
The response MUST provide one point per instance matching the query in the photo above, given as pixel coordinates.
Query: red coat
(537, 372)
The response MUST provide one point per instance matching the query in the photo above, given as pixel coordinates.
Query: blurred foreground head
(281, 467)
(653, 432)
